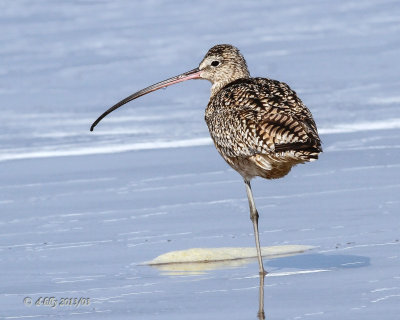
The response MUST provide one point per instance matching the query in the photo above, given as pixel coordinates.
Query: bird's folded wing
(263, 118)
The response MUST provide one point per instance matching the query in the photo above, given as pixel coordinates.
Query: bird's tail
(306, 151)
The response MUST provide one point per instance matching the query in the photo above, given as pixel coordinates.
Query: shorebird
(258, 125)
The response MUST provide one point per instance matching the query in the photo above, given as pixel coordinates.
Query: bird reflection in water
(201, 268)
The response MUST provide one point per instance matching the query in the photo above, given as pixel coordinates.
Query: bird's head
(223, 64)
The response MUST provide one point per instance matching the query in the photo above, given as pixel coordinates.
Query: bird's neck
(218, 85)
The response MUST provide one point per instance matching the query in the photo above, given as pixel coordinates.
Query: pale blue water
(77, 215)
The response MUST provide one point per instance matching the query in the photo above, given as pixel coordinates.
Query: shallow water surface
(80, 212)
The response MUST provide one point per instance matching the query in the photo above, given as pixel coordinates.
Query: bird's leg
(261, 314)
(254, 219)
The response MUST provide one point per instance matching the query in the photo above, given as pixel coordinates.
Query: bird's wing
(260, 116)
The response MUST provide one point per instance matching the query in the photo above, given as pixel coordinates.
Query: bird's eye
(215, 63)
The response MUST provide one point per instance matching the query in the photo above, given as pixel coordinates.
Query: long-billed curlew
(258, 125)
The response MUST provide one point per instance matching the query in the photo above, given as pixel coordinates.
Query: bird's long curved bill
(192, 74)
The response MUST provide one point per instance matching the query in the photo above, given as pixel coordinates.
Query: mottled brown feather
(261, 128)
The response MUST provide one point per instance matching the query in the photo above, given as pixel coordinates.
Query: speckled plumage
(258, 125)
